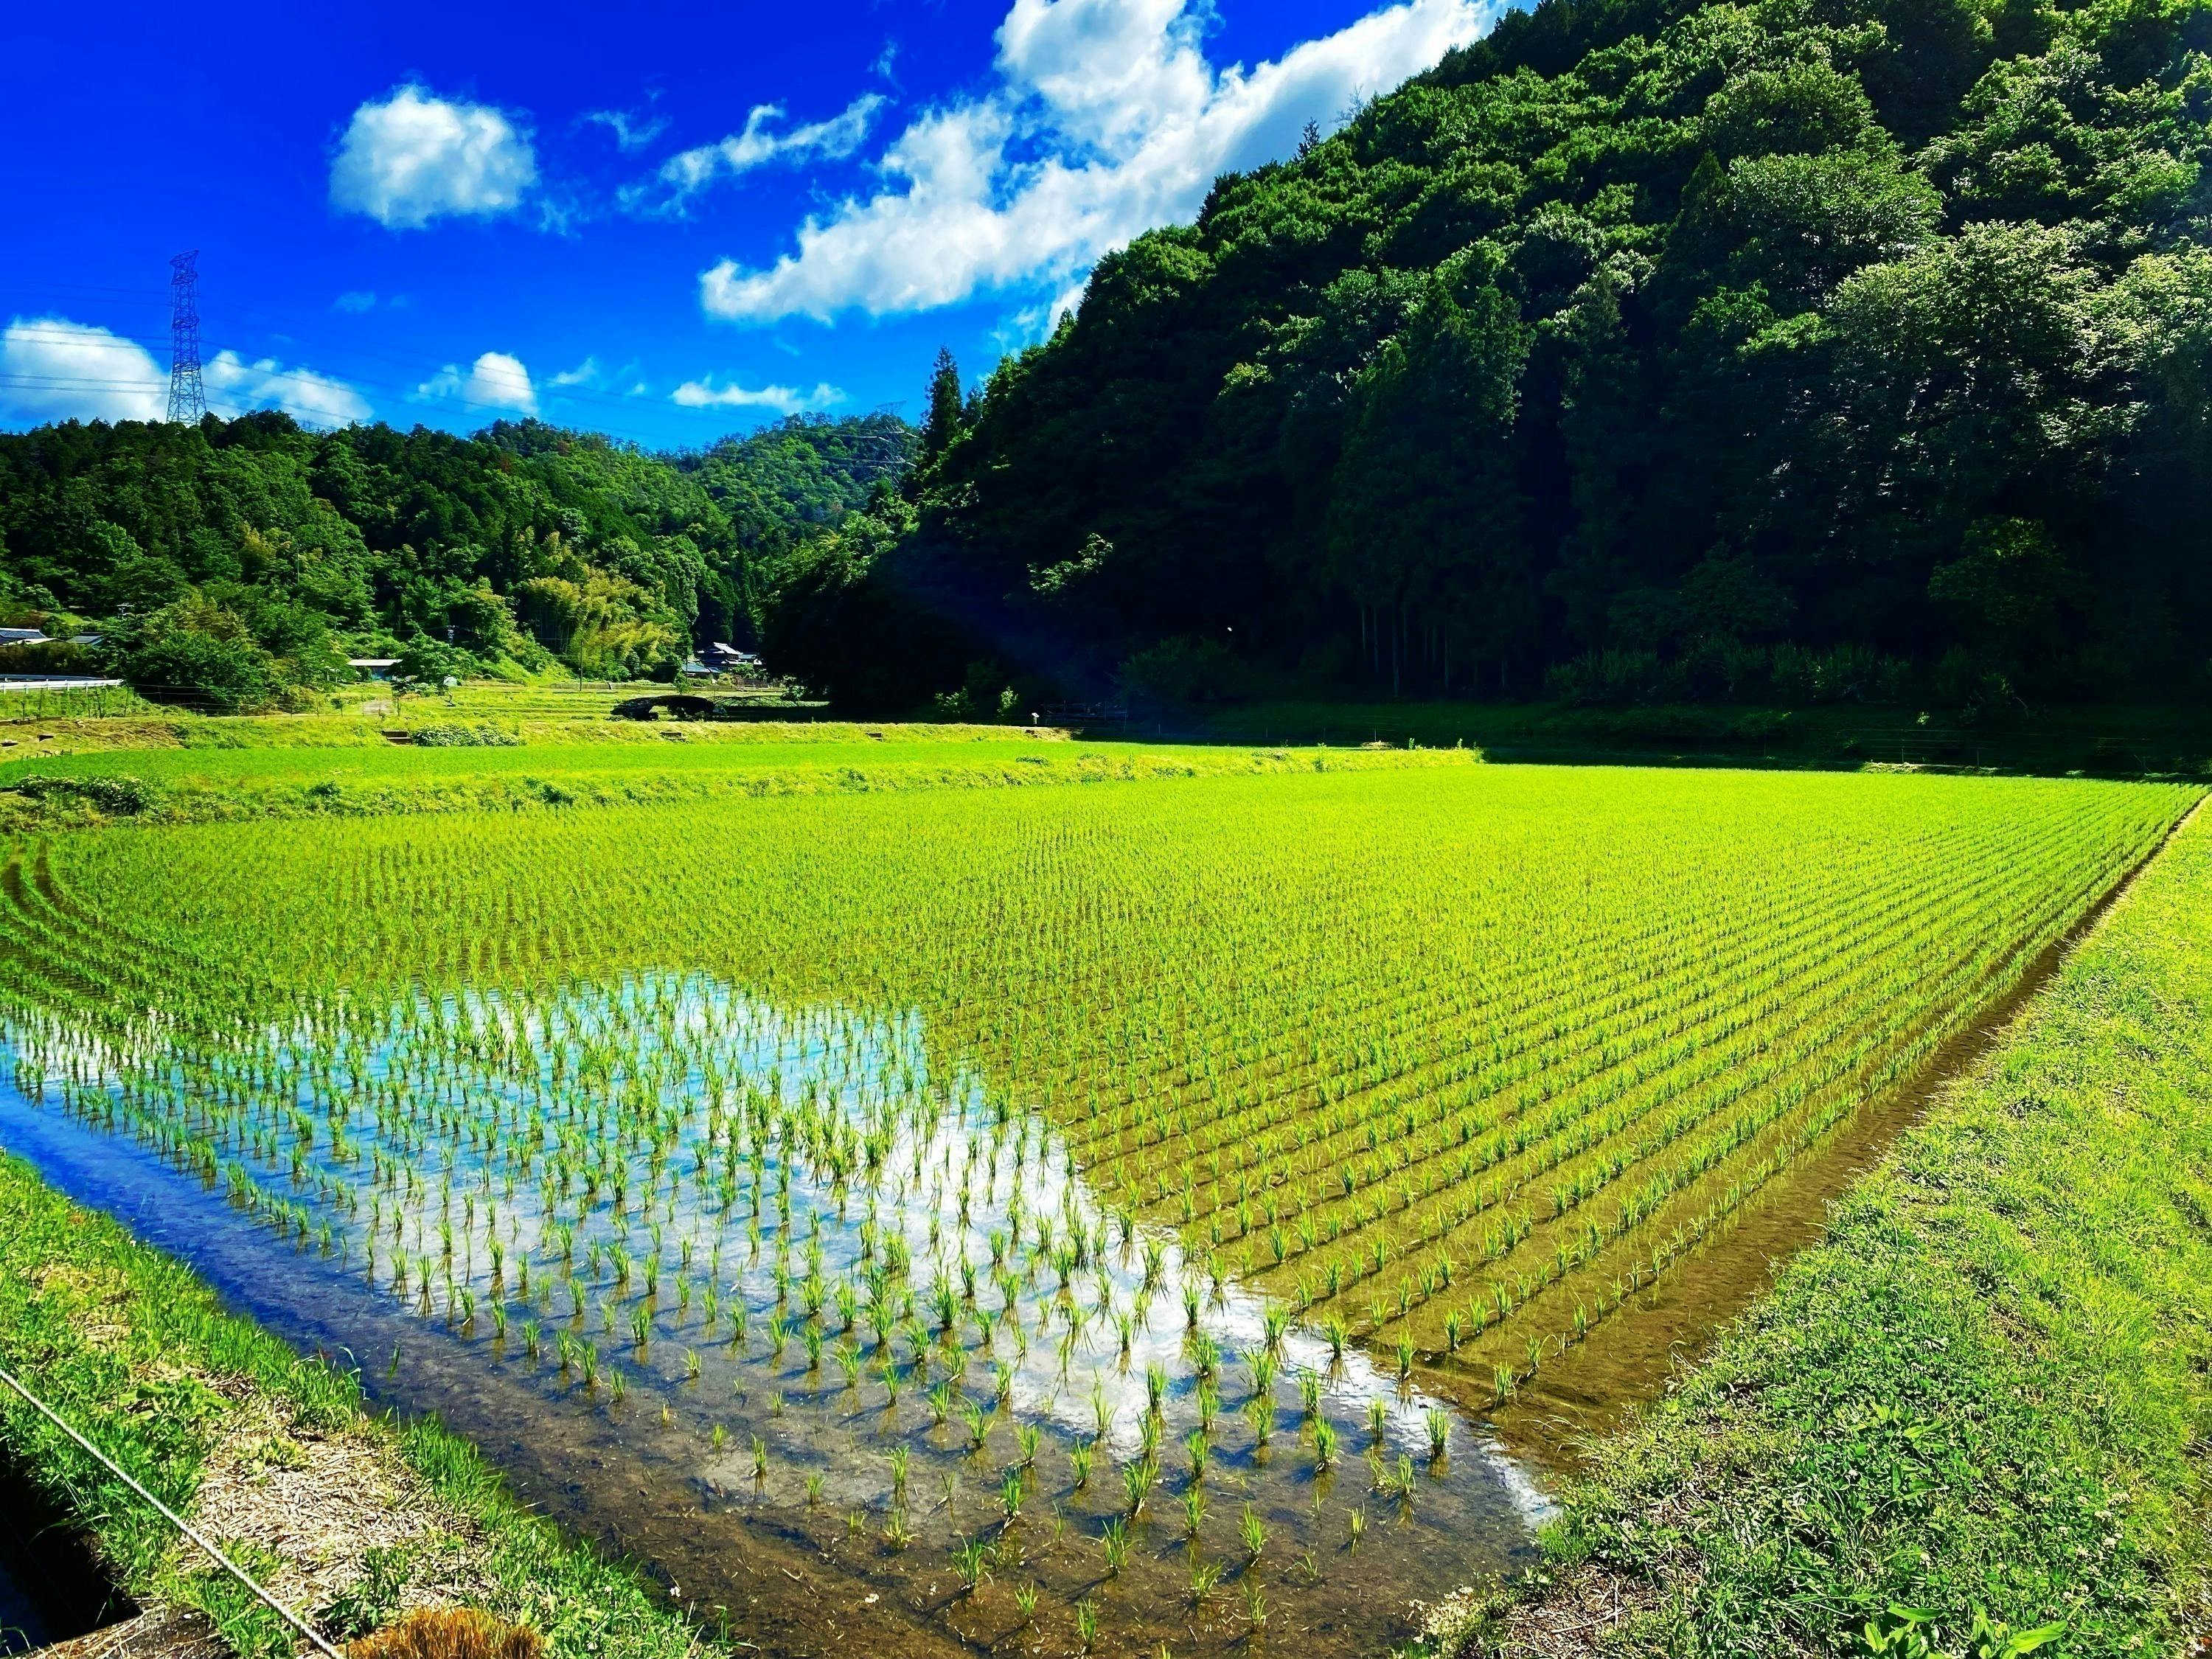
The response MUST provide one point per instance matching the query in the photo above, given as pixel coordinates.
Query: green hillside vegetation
(235, 565)
(1803, 349)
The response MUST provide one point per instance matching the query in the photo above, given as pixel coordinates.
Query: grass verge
(1978, 1416)
(354, 1517)
(199, 786)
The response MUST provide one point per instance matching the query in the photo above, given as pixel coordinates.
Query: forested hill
(1853, 347)
(235, 560)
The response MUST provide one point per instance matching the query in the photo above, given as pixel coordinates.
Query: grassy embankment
(345, 1514)
(368, 708)
(1988, 1393)
(609, 763)
(369, 715)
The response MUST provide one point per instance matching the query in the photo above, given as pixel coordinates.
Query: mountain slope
(1684, 348)
(522, 542)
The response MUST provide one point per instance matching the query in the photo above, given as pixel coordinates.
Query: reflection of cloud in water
(776, 1145)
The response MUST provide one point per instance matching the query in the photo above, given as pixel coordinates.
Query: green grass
(133, 1349)
(96, 702)
(550, 697)
(1989, 1391)
(356, 714)
(160, 729)
(610, 764)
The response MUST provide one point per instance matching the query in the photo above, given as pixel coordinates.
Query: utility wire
(450, 402)
(349, 344)
(172, 1518)
(447, 401)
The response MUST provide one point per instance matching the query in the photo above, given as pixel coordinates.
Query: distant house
(720, 657)
(87, 640)
(23, 636)
(372, 668)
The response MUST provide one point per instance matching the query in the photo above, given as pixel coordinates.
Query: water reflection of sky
(841, 1132)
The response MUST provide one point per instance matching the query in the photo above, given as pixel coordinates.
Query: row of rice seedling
(833, 1233)
(1110, 1150)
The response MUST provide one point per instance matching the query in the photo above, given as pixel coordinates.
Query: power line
(187, 398)
(294, 330)
(883, 456)
(111, 341)
(323, 417)
(316, 418)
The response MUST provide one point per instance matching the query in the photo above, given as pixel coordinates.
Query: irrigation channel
(1075, 1425)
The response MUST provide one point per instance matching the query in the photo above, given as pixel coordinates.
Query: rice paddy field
(1069, 1219)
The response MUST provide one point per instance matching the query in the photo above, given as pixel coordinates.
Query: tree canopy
(1659, 348)
(233, 560)
(1642, 348)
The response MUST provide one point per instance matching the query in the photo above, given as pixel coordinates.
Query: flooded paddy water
(1104, 1219)
(833, 1345)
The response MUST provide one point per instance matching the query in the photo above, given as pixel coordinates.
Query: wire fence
(55, 697)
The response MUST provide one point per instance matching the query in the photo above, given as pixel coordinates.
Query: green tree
(947, 413)
(196, 653)
(1426, 526)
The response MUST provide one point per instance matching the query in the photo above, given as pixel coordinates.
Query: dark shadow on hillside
(2092, 742)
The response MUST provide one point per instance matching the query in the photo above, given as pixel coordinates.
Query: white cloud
(685, 173)
(932, 244)
(235, 385)
(355, 300)
(585, 373)
(416, 157)
(1108, 120)
(1107, 70)
(785, 400)
(494, 381)
(53, 369)
(631, 132)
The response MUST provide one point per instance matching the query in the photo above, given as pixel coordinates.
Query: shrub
(431, 663)
(1723, 669)
(121, 795)
(1183, 671)
(197, 652)
(984, 697)
(46, 657)
(1848, 673)
(465, 737)
(449, 1634)
(1602, 677)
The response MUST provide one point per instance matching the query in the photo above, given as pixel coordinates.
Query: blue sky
(666, 223)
